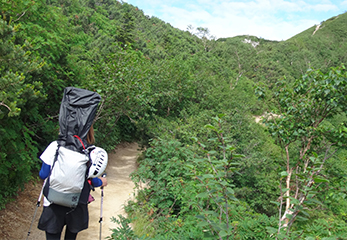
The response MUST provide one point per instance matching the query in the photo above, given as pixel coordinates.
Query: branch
(100, 109)
(240, 72)
(2, 104)
(308, 146)
(325, 113)
(297, 183)
(309, 184)
(20, 16)
(211, 196)
(280, 211)
(210, 224)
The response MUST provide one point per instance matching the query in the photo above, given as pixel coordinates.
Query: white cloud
(239, 18)
(344, 4)
(258, 26)
(270, 19)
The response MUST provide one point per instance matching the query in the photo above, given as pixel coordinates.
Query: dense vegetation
(210, 170)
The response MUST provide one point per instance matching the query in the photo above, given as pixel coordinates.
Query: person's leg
(51, 236)
(69, 235)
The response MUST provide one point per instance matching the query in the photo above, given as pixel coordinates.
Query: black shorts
(54, 217)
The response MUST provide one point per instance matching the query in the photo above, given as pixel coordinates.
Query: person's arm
(45, 170)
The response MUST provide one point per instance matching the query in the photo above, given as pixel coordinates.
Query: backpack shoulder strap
(55, 158)
(46, 187)
(86, 152)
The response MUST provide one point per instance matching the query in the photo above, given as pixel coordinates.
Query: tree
(19, 100)
(125, 33)
(15, 64)
(123, 81)
(206, 37)
(307, 137)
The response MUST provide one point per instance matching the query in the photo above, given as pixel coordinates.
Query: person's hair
(90, 136)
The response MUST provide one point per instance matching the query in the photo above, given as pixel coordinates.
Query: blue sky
(269, 19)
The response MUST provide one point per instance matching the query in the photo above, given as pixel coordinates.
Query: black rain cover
(76, 116)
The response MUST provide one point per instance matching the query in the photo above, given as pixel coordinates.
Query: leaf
(202, 223)
(271, 230)
(234, 164)
(190, 166)
(230, 191)
(202, 195)
(211, 127)
(212, 152)
(320, 180)
(208, 176)
(294, 200)
(301, 219)
(301, 176)
(277, 203)
(314, 201)
(238, 156)
(223, 233)
(305, 213)
(212, 191)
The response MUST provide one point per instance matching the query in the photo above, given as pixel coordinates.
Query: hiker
(71, 166)
(54, 216)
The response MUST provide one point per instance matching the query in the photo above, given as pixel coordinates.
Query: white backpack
(68, 175)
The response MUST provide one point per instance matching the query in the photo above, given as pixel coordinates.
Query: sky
(268, 19)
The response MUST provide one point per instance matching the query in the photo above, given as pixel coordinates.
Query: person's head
(90, 136)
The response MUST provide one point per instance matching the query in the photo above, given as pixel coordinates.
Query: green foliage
(123, 81)
(190, 187)
(270, 60)
(16, 63)
(213, 175)
(309, 102)
(307, 138)
(17, 97)
(124, 231)
(158, 82)
(166, 177)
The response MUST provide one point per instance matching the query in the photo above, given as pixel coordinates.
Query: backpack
(68, 177)
(67, 183)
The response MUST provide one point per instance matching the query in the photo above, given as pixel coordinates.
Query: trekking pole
(37, 206)
(102, 200)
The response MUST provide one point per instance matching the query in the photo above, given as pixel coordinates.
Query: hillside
(271, 60)
(210, 168)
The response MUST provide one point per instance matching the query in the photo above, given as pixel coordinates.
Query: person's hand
(104, 181)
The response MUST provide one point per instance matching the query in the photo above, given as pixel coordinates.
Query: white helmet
(99, 159)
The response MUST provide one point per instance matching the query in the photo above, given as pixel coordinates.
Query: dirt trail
(16, 218)
(116, 193)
